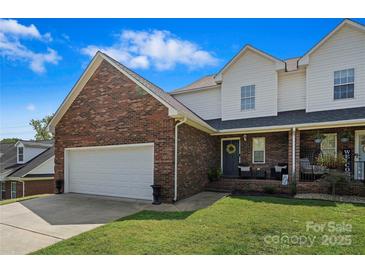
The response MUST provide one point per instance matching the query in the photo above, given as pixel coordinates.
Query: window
(20, 154)
(258, 150)
(329, 144)
(248, 97)
(344, 84)
(13, 190)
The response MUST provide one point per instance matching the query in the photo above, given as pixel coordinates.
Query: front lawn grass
(233, 225)
(10, 201)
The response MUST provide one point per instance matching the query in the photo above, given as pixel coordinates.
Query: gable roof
(346, 22)
(176, 109)
(202, 83)
(280, 64)
(37, 144)
(24, 169)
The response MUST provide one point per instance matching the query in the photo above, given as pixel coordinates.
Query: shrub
(335, 179)
(269, 189)
(214, 174)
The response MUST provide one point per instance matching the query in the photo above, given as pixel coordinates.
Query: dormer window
(344, 84)
(20, 154)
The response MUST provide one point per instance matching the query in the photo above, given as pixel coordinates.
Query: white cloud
(159, 49)
(11, 47)
(30, 107)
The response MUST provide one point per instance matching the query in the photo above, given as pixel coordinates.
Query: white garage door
(122, 171)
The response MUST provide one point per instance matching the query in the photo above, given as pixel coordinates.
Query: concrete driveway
(33, 224)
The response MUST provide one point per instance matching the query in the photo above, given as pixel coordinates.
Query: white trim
(334, 124)
(66, 173)
(357, 143)
(17, 153)
(239, 149)
(11, 189)
(253, 156)
(175, 164)
(304, 60)
(194, 89)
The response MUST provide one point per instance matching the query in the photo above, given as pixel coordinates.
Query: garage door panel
(114, 171)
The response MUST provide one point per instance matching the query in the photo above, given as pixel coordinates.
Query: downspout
(293, 153)
(175, 171)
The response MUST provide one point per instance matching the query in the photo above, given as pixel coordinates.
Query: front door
(360, 155)
(231, 154)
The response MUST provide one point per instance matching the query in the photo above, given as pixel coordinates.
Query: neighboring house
(27, 168)
(117, 133)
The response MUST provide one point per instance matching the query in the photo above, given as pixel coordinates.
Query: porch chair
(244, 171)
(278, 171)
(309, 171)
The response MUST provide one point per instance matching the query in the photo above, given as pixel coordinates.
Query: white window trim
(11, 190)
(341, 84)
(253, 154)
(17, 154)
(242, 98)
(335, 134)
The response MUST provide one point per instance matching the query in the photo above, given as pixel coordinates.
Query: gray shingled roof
(291, 118)
(8, 156)
(36, 161)
(204, 82)
(41, 144)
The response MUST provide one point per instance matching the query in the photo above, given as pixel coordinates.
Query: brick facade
(30, 188)
(110, 110)
(276, 149)
(197, 153)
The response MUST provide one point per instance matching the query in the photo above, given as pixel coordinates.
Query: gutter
(175, 169)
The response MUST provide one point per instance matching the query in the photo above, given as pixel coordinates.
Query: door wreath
(231, 148)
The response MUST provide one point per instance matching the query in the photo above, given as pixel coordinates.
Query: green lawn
(233, 225)
(10, 201)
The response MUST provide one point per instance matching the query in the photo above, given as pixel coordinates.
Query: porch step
(214, 189)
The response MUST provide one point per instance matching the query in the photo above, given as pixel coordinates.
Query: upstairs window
(248, 97)
(258, 150)
(20, 154)
(344, 84)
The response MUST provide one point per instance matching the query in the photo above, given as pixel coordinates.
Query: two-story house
(27, 168)
(268, 122)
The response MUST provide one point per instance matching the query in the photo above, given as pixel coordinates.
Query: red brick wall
(30, 188)
(7, 193)
(276, 147)
(197, 153)
(112, 110)
(39, 187)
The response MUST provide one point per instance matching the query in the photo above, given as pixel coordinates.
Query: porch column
(293, 154)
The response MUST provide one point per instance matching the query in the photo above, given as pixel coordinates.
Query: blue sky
(41, 59)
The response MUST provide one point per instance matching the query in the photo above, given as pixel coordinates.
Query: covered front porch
(292, 159)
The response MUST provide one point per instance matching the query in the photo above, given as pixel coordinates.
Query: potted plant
(345, 137)
(214, 174)
(319, 137)
(330, 161)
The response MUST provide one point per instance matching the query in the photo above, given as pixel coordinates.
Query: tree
(9, 140)
(40, 128)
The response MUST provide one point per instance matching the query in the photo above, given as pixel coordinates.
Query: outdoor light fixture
(245, 137)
